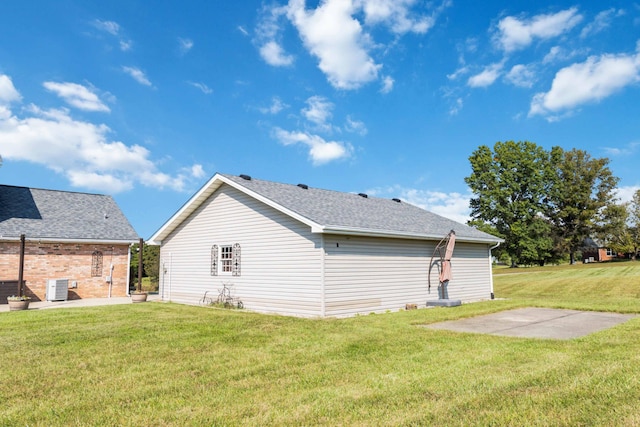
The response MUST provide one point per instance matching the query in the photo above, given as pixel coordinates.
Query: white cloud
(590, 81)
(628, 150)
(554, 53)
(318, 111)
(355, 126)
(77, 96)
(114, 29)
(137, 74)
(197, 171)
(80, 150)
(273, 54)
(456, 107)
(514, 33)
(459, 72)
(601, 22)
(334, 32)
(267, 33)
(203, 87)
(521, 75)
(336, 38)
(107, 26)
(625, 194)
(8, 92)
(487, 76)
(243, 30)
(396, 15)
(387, 84)
(125, 45)
(320, 151)
(185, 45)
(276, 106)
(454, 206)
(557, 54)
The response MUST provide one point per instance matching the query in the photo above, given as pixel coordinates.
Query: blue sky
(147, 100)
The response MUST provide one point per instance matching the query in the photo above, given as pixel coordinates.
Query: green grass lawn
(157, 364)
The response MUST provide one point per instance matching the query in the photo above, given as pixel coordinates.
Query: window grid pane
(226, 259)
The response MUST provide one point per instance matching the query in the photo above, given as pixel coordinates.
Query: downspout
(491, 269)
(110, 279)
(170, 272)
(323, 308)
(164, 280)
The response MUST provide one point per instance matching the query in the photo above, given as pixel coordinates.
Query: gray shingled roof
(347, 211)
(50, 214)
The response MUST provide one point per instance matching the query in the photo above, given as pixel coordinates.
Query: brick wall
(77, 262)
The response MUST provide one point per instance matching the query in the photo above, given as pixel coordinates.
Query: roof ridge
(56, 191)
(310, 187)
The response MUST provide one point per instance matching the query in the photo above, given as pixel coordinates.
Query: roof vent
(397, 200)
(304, 186)
(247, 177)
(363, 195)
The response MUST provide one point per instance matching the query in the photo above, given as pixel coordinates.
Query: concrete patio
(537, 323)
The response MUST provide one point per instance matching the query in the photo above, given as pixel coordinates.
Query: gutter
(383, 233)
(79, 241)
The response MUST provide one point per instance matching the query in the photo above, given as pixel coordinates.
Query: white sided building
(302, 251)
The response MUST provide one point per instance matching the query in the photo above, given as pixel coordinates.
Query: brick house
(82, 238)
(595, 251)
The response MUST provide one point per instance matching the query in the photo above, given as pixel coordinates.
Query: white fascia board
(187, 209)
(314, 225)
(395, 234)
(204, 193)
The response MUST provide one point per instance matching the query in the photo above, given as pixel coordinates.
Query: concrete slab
(86, 302)
(537, 323)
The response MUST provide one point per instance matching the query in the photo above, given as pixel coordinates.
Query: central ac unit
(57, 289)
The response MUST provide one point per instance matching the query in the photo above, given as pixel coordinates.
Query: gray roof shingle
(51, 214)
(348, 211)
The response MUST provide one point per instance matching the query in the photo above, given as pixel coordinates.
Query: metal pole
(140, 245)
(21, 266)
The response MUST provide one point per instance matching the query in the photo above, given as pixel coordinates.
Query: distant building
(303, 251)
(595, 251)
(82, 238)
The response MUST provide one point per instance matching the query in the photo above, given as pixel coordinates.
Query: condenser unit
(57, 289)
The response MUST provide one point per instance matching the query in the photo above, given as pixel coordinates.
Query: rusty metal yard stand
(444, 274)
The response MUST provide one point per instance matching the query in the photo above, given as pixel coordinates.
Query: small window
(96, 264)
(226, 259)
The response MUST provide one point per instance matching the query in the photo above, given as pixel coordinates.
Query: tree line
(546, 203)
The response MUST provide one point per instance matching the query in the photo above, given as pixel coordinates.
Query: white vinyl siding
(287, 269)
(365, 275)
(281, 268)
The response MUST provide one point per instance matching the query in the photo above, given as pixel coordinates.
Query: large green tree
(614, 230)
(634, 223)
(510, 184)
(583, 187)
(150, 262)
